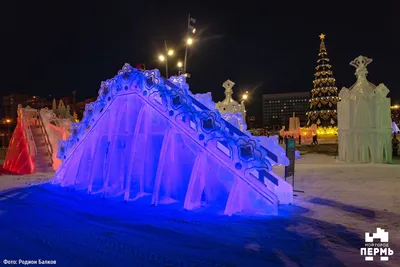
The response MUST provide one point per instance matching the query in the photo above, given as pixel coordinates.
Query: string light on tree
(324, 95)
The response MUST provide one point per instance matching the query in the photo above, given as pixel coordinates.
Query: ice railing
(236, 119)
(57, 129)
(62, 127)
(46, 136)
(176, 99)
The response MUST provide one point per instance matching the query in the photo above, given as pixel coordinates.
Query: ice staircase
(148, 138)
(29, 150)
(43, 156)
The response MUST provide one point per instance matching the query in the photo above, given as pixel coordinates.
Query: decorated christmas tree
(324, 95)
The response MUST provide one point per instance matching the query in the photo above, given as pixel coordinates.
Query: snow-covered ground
(325, 227)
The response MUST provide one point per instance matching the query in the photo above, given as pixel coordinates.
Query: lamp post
(189, 41)
(245, 97)
(180, 65)
(162, 58)
(8, 121)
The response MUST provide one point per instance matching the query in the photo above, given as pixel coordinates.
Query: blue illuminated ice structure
(148, 137)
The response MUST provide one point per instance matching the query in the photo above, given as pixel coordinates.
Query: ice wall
(19, 159)
(148, 138)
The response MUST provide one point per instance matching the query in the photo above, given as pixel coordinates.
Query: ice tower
(231, 110)
(148, 137)
(365, 129)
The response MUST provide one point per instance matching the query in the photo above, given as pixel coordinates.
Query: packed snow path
(325, 228)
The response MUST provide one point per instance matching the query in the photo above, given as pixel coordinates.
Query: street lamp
(8, 122)
(180, 65)
(162, 58)
(189, 41)
(245, 96)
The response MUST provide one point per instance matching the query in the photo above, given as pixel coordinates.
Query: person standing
(314, 140)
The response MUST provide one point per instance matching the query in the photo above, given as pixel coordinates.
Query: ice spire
(54, 107)
(61, 109)
(361, 63)
(230, 106)
(362, 85)
(228, 84)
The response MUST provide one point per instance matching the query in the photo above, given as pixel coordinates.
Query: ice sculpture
(232, 111)
(364, 119)
(20, 158)
(395, 127)
(205, 99)
(34, 141)
(56, 129)
(147, 137)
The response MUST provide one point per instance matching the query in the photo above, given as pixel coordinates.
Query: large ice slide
(147, 137)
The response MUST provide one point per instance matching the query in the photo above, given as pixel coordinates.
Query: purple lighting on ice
(147, 137)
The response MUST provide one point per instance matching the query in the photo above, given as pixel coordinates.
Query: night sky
(56, 47)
